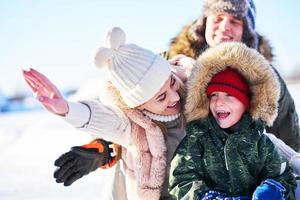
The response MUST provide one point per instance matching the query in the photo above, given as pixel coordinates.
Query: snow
(30, 142)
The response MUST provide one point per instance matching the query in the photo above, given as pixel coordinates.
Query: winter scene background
(58, 38)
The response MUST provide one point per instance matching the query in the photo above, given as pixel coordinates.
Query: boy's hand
(46, 92)
(269, 189)
(215, 195)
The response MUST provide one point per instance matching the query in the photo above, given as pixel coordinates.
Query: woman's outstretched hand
(46, 92)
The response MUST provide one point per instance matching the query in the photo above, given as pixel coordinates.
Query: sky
(59, 37)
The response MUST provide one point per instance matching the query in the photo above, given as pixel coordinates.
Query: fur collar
(259, 74)
(191, 42)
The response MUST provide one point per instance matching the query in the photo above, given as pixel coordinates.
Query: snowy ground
(29, 144)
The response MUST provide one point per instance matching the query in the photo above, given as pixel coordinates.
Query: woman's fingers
(41, 78)
(46, 83)
(31, 85)
(46, 92)
(39, 83)
(174, 60)
(36, 87)
(32, 79)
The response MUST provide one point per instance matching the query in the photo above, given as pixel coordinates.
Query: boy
(232, 95)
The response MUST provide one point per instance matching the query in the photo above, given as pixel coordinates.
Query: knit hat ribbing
(231, 82)
(136, 72)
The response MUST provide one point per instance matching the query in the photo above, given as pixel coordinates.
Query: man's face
(223, 27)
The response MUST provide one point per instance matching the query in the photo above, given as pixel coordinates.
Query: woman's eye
(173, 81)
(162, 99)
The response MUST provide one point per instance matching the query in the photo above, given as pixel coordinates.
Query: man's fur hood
(260, 76)
(191, 41)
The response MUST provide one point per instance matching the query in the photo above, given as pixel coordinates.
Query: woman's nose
(174, 96)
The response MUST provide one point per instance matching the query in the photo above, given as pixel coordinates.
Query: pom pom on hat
(103, 56)
(115, 37)
(136, 72)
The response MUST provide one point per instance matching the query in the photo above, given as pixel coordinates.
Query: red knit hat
(231, 82)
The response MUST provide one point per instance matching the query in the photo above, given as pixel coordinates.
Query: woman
(144, 116)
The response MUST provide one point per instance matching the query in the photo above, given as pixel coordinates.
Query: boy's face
(226, 109)
(222, 27)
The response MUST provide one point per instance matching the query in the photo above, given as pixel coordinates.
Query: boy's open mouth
(222, 114)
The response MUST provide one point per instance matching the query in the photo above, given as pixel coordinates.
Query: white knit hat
(136, 72)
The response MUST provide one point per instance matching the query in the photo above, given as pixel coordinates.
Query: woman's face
(167, 100)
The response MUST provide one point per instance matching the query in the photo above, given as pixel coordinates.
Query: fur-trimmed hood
(262, 80)
(191, 41)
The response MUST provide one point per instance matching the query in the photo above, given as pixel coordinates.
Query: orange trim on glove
(114, 154)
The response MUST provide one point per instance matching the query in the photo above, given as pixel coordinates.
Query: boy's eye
(212, 95)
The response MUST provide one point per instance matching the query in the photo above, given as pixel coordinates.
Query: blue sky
(59, 37)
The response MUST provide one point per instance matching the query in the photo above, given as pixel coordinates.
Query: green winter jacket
(234, 164)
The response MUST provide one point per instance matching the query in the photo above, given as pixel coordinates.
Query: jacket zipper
(226, 164)
(225, 155)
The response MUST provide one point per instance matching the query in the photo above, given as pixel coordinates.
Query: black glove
(80, 161)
